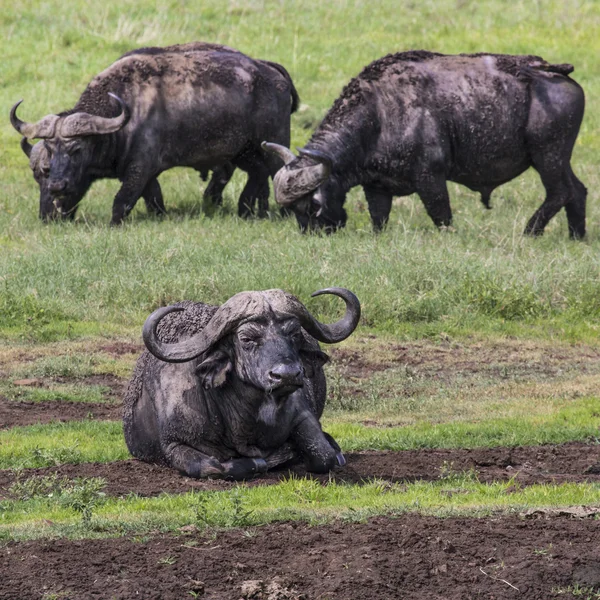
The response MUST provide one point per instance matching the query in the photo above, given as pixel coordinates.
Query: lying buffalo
(199, 105)
(234, 390)
(414, 120)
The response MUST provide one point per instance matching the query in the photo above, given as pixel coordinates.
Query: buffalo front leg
(153, 198)
(133, 185)
(433, 191)
(380, 205)
(193, 463)
(319, 455)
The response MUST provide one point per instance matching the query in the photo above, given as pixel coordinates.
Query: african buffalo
(412, 121)
(199, 105)
(234, 390)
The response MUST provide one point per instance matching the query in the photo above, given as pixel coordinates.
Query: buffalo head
(62, 163)
(259, 337)
(306, 186)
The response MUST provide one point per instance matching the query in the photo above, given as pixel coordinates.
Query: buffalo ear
(311, 359)
(213, 371)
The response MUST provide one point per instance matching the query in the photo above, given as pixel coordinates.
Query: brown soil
(447, 360)
(574, 462)
(421, 558)
(14, 413)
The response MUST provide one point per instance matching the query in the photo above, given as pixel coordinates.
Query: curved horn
(42, 129)
(285, 154)
(82, 124)
(26, 147)
(224, 320)
(318, 156)
(338, 331)
(15, 121)
(150, 335)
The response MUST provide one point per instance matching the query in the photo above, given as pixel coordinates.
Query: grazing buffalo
(234, 390)
(199, 105)
(412, 121)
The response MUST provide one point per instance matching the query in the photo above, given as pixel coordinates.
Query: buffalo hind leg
(433, 191)
(193, 463)
(257, 186)
(153, 198)
(213, 194)
(559, 187)
(380, 205)
(575, 208)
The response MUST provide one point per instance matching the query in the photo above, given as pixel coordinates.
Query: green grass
(65, 281)
(293, 499)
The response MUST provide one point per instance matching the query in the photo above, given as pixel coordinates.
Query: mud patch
(14, 413)
(574, 462)
(119, 349)
(422, 558)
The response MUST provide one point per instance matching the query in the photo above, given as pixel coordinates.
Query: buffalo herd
(408, 123)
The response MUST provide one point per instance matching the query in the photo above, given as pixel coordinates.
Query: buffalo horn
(42, 129)
(338, 331)
(248, 305)
(82, 124)
(285, 154)
(319, 157)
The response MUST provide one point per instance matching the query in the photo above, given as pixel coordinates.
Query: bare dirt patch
(573, 462)
(421, 558)
(447, 359)
(18, 413)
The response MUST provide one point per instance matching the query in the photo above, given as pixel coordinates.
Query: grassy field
(525, 312)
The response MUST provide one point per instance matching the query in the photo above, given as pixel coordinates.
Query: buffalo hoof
(238, 469)
(341, 459)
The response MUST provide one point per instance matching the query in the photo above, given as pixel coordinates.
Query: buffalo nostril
(57, 186)
(285, 374)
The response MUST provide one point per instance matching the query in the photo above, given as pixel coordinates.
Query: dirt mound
(421, 558)
(527, 465)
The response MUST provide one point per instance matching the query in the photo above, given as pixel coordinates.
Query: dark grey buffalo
(412, 121)
(199, 105)
(234, 390)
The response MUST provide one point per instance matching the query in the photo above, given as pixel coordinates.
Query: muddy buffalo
(412, 121)
(234, 390)
(199, 105)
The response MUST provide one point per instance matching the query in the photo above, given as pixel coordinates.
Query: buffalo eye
(45, 171)
(248, 342)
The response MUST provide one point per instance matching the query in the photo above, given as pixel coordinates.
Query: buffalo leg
(433, 192)
(133, 185)
(319, 454)
(559, 185)
(153, 198)
(213, 194)
(257, 186)
(193, 463)
(576, 208)
(380, 205)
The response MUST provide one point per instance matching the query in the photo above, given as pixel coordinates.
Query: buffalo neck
(345, 137)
